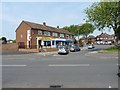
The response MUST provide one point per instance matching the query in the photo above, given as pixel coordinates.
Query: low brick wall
(50, 49)
(10, 47)
(37, 50)
(28, 50)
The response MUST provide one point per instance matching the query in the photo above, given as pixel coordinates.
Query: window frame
(62, 34)
(39, 31)
(46, 33)
(55, 34)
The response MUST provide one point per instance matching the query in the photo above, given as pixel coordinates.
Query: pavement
(75, 70)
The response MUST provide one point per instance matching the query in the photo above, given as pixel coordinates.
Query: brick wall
(10, 47)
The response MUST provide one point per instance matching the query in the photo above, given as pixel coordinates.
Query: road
(75, 70)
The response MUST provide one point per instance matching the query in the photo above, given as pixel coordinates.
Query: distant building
(35, 35)
(105, 38)
(89, 39)
(10, 41)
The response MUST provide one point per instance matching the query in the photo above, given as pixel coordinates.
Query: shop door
(39, 42)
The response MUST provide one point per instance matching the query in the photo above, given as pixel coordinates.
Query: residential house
(89, 39)
(35, 35)
(9, 41)
(105, 38)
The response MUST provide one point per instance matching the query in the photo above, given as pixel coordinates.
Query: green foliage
(112, 49)
(77, 30)
(104, 14)
(14, 41)
(72, 28)
(87, 28)
(4, 40)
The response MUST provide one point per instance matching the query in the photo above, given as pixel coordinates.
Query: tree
(4, 40)
(86, 29)
(105, 15)
(72, 28)
(14, 41)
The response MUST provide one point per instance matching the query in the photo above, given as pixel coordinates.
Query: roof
(91, 36)
(103, 35)
(45, 27)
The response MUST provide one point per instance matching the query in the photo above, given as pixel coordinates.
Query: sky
(53, 13)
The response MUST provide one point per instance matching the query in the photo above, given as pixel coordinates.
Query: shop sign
(45, 38)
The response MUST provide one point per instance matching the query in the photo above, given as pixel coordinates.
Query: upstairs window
(70, 36)
(55, 34)
(67, 36)
(39, 32)
(62, 35)
(46, 33)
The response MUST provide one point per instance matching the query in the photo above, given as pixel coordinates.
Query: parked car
(74, 48)
(63, 50)
(91, 46)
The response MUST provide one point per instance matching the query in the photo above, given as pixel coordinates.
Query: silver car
(63, 50)
(74, 48)
(91, 46)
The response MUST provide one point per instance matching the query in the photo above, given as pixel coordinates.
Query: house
(89, 39)
(10, 41)
(105, 38)
(35, 36)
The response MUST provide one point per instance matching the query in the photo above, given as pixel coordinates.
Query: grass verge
(111, 49)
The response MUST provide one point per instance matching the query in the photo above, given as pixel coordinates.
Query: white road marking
(12, 65)
(117, 64)
(68, 65)
(56, 55)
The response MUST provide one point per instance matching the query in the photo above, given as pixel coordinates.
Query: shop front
(44, 42)
(57, 41)
(48, 42)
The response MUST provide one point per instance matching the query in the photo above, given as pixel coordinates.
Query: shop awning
(69, 41)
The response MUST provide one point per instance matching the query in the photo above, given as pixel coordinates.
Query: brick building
(34, 35)
(105, 38)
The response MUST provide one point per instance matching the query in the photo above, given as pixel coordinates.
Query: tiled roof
(91, 36)
(45, 27)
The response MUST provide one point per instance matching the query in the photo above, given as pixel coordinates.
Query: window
(70, 36)
(46, 33)
(55, 34)
(39, 32)
(67, 36)
(21, 36)
(62, 35)
(47, 43)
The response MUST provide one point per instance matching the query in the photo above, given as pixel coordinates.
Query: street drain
(55, 86)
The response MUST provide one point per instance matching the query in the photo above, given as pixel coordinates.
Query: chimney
(58, 27)
(44, 23)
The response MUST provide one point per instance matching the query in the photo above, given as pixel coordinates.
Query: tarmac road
(75, 70)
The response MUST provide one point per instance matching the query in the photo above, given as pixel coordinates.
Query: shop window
(47, 43)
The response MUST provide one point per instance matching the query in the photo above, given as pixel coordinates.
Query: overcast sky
(53, 13)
